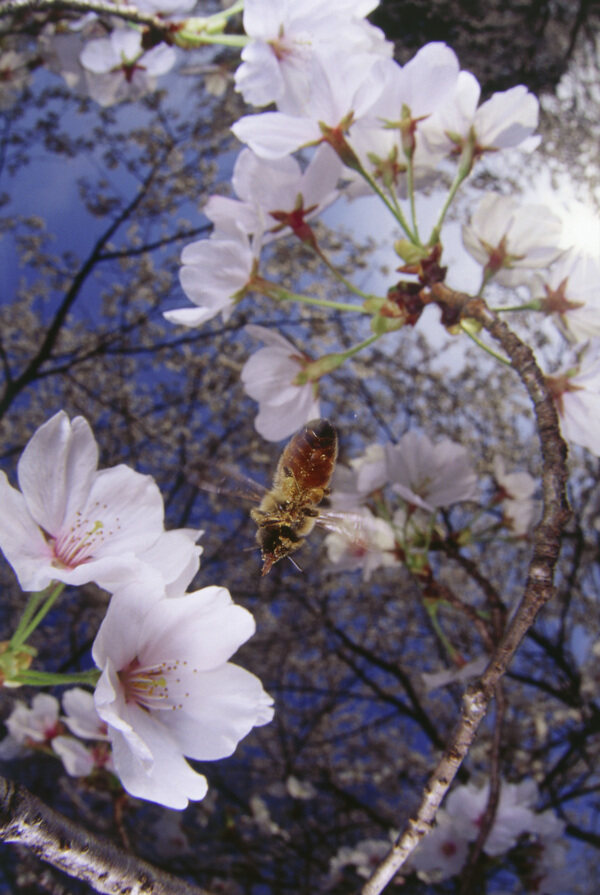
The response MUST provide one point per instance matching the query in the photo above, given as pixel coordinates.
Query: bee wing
(352, 525)
(220, 478)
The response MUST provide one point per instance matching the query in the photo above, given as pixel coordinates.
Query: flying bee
(289, 511)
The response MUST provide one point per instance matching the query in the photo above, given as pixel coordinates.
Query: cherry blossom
(442, 853)
(74, 523)
(570, 293)
(36, 725)
(346, 493)
(277, 195)
(341, 88)
(216, 273)
(15, 74)
(176, 557)
(515, 491)
(506, 120)
(286, 34)
(81, 716)
(80, 760)
(424, 474)
(576, 391)
(511, 239)
(365, 856)
(119, 68)
(410, 94)
(514, 814)
(269, 377)
(167, 689)
(362, 541)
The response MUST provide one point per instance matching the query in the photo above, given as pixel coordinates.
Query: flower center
(79, 543)
(148, 685)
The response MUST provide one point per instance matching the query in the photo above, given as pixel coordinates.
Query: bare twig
(538, 588)
(468, 881)
(55, 839)
(122, 10)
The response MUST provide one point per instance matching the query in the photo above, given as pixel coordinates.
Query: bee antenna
(295, 564)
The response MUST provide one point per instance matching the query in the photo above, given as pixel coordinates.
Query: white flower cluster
(444, 851)
(373, 531)
(167, 689)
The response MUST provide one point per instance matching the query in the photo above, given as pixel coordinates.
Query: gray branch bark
(53, 838)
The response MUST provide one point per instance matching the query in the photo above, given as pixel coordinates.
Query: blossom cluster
(386, 501)
(167, 688)
(443, 853)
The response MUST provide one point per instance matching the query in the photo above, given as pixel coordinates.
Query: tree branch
(123, 11)
(55, 839)
(538, 588)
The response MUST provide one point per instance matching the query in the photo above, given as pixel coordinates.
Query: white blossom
(341, 90)
(81, 716)
(361, 541)
(345, 491)
(74, 523)
(390, 131)
(81, 760)
(215, 274)
(424, 474)
(571, 293)
(515, 494)
(269, 377)
(365, 857)
(167, 689)
(286, 34)
(277, 194)
(119, 68)
(576, 391)
(38, 724)
(511, 239)
(506, 120)
(466, 806)
(443, 851)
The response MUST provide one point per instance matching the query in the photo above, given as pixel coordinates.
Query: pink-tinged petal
(190, 316)
(259, 77)
(130, 508)
(223, 708)
(127, 43)
(252, 175)
(507, 118)
(117, 636)
(56, 470)
(260, 15)
(184, 628)
(269, 337)
(176, 556)
(169, 780)
(272, 135)
(21, 541)
(267, 372)
(224, 212)
(98, 56)
(77, 759)
(275, 423)
(159, 60)
(428, 78)
(82, 719)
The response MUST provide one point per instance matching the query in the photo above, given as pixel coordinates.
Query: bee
(288, 512)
